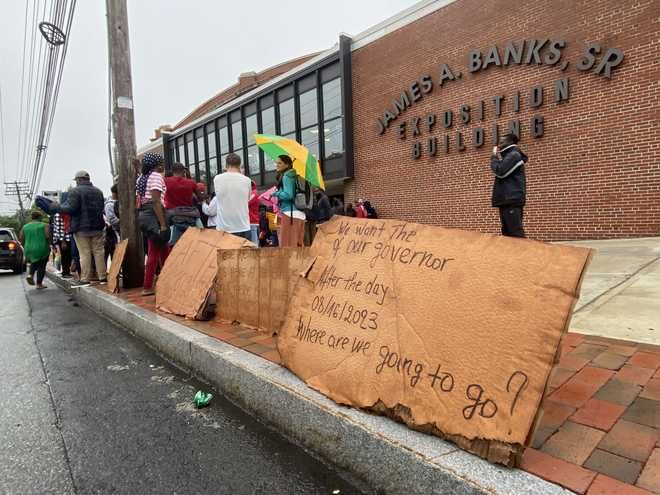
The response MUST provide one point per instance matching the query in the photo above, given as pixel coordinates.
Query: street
(86, 408)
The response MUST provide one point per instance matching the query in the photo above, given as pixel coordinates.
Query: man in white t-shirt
(232, 192)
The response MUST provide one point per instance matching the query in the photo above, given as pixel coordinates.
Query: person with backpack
(292, 228)
(509, 188)
(338, 207)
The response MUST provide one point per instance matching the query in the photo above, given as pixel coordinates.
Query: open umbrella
(304, 162)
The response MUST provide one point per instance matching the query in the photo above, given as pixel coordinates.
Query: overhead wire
(20, 111)
(3, 157)
(25, 146)
(54, 95)
(40, 87)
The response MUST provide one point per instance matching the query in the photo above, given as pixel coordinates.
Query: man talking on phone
(508, 165)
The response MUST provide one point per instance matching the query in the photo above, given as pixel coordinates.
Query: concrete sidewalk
(621, 291)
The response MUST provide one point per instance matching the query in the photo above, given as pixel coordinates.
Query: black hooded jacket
(510, 187)
(85, 205)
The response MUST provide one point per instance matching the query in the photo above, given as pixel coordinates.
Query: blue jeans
(176, 231)
(254, 232)
(245, 235)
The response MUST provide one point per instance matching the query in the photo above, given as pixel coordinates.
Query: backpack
(304, 199)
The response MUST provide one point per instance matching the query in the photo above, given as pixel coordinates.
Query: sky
(182, 53)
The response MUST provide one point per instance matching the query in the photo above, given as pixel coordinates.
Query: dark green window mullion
(260, 153)
(296, 111)
(207, 163)
(246, 165)
(319, 119)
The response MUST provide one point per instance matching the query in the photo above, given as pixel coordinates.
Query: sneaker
(103, 281)
(80, 283)
(29, 280)
(148, 292)
(42, 286)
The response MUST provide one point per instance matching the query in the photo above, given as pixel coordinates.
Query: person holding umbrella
(292, 229)
(293, 161)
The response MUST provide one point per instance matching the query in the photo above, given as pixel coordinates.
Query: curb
(387, 456)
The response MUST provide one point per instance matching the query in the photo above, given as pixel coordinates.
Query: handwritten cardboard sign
(115, 266)
(186, 281)
(254, 286)
(452, 332)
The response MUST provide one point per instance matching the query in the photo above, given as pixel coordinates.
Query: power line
(20, 112)
(3, 158)
(50, 104)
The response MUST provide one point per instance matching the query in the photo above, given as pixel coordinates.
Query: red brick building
(424, 94)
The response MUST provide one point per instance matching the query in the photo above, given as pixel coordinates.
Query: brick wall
(596, 171)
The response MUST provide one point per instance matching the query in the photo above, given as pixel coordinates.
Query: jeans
(254, 234)
(40, 268)
(176, 231)
(157, 254)
(91, 247)
(245, 235)
(65, 253)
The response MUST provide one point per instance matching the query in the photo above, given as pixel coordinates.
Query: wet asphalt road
(86, 408)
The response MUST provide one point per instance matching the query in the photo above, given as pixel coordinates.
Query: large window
(181, 154)
(212, 152)
(223, 135)
(268, 127)
(201, 156)
(190, 157)
(253, 165)
(287, 117)
(308, 109)
(332, 119)
(309, 121)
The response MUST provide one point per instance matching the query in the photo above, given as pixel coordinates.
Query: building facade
(406, 115)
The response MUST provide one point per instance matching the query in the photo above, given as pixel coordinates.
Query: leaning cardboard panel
(188, 277)
(254, 286)
(452, 332)
(115, 266)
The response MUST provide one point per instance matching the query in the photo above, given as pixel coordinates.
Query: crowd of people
(84, 228)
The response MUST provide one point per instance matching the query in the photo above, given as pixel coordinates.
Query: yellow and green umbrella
(304, 162)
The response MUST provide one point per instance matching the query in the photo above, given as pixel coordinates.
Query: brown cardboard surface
(115, 266)
(452, 332)
(188, 277)
(254, 286)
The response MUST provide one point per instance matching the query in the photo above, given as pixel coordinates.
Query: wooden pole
(124, 130)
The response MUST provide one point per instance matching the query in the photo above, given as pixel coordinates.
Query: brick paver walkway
(600, 429)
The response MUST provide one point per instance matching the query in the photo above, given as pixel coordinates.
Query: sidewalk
(621, 291)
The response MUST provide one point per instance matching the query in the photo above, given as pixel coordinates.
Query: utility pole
(19, 190)
(124, 131)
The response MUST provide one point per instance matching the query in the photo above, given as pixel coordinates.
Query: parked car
(11, 251)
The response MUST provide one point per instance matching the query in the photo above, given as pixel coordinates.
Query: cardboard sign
(115, 266)
(188, 277)
(254, 287)
(452, 332)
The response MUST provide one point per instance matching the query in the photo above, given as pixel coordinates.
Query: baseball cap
(81, 174)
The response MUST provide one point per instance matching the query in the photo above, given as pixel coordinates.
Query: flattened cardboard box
(115, 266)
(188, 277)
(254, 286)
(452, 332)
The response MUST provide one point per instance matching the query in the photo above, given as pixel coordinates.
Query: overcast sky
(182, 52)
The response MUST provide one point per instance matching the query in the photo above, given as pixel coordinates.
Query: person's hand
(163, 228)
(495, 150)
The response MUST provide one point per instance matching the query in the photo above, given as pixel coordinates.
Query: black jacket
(510, 186)
(85, 205)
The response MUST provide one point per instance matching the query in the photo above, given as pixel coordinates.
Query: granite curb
(386, 455)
